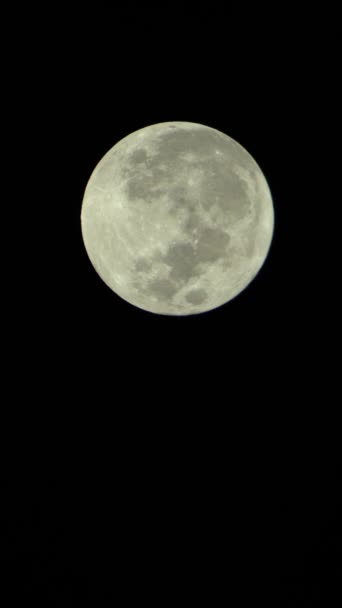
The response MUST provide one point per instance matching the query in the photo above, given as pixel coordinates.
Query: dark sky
(186, 457)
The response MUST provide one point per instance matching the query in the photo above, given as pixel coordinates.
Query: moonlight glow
(177, 218)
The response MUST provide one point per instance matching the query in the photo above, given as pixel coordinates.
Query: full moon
(177, 218)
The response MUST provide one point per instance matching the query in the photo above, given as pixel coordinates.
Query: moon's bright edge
(177, 218)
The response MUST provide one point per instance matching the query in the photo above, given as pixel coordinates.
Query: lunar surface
(177, 218)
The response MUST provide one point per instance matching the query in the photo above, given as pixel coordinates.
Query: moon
(177, 218)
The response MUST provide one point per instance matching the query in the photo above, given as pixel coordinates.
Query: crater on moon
(177, 218)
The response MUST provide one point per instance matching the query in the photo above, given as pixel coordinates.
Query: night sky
(174, 459)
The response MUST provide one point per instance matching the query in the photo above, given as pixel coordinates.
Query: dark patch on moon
(144, 187)
(183, 257)
(177, 194)
(211, 244)
(162, 288)
(150, 177)
(138, 156)
(171, 144)
(193, 222)
(228, 190)
(196, 296)
(143, 265)
(202, 142)
(145, 176)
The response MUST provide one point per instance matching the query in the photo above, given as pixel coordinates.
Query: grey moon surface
(177, 218)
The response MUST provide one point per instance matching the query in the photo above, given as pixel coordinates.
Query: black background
(161, 459)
